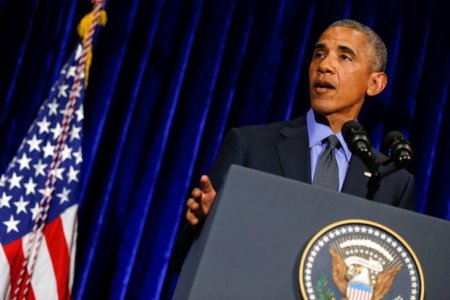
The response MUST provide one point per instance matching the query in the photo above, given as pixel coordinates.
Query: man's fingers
(192, 204)
(196, 194)
(191, 218)
(195, 212)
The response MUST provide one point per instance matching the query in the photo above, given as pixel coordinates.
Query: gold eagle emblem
(343, 274)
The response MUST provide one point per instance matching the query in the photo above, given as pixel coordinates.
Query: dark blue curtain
(169, 78)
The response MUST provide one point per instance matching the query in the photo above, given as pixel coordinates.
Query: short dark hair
(379, 56)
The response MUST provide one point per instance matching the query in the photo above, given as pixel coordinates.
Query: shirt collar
(317, 132)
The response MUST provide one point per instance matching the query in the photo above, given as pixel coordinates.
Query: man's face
(339, 73)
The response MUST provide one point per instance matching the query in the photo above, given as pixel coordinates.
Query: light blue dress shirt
(317, 132)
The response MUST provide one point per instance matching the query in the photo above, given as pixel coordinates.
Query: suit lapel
(356, 182)
(293, 153)
(295, 160)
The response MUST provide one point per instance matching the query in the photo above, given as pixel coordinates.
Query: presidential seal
(359, 260)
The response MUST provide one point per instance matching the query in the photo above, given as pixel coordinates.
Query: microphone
(358, 141)
(400, 150)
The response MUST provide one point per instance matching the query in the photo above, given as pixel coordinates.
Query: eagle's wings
(384, 282)
(339, 271)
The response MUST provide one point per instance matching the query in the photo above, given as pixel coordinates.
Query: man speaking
(348, 64)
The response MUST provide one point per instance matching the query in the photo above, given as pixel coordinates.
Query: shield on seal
(359, 291)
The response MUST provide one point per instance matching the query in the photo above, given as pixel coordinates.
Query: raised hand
(200, 201)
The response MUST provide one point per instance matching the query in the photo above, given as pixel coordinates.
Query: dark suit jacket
(283, 149)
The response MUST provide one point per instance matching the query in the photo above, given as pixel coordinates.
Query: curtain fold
(170, 77)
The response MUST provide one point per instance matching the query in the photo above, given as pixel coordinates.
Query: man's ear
(377, 83)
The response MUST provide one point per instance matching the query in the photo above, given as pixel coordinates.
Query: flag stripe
(59, 255)
(14, 253)
(43, 280)
(5, 285)
(70, 224)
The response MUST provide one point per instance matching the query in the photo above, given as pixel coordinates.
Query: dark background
(169, 78)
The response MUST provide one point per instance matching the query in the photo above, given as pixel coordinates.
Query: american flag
(39, 196)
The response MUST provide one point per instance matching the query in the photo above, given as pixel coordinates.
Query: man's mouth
(323, 86)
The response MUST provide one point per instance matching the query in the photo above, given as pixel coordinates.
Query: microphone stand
(375, 180)
(356, 138)
(374, 185)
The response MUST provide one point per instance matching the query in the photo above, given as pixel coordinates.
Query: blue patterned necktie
(327, 172)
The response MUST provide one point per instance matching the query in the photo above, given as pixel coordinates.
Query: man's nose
(326, 66)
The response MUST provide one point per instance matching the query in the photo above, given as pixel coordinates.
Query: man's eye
(319, 55)
(346, 57)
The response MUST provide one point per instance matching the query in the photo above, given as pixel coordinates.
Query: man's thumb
(206, 184)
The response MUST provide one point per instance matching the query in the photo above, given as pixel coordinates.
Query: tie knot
(332, 142)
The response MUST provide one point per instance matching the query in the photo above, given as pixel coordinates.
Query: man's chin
(322, 106)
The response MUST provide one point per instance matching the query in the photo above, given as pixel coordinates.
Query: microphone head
(392, 137)
(350, 126)
(400, 150)
(356, 138)
(359, 144)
